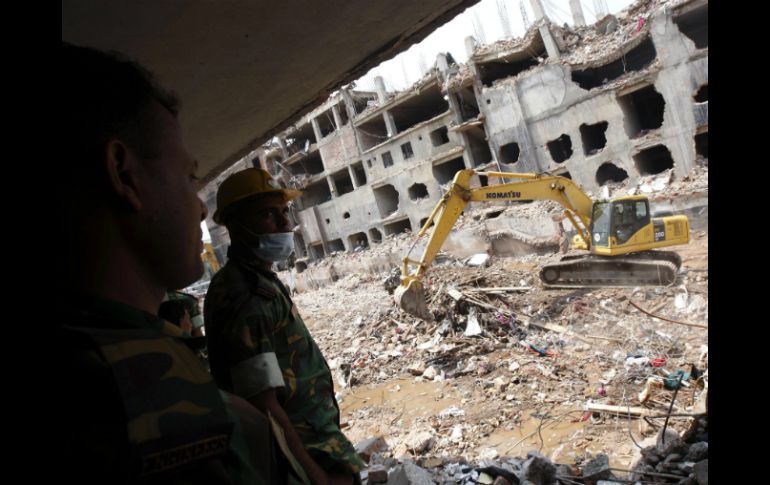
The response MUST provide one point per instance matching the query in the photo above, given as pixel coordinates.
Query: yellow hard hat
(246, 183)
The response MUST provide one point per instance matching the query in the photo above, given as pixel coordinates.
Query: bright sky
(206, 235)
(485, 22)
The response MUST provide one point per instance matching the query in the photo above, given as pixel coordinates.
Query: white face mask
(272, 247)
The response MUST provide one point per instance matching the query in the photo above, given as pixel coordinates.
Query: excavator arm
(577, 205)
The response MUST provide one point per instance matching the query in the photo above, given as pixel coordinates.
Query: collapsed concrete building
(621, 99)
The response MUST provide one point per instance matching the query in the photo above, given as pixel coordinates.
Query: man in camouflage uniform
(139, 407)
(259, 347)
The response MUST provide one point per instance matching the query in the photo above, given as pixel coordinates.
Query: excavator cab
(619, 220)
(625, 225)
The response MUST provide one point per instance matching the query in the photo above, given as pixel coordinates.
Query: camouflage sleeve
(253, 364)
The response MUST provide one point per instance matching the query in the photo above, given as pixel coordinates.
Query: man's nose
(283, 221)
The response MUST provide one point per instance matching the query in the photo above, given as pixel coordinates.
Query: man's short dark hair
(172, 311)
(104, 94)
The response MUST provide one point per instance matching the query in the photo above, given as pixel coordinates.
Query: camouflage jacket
(140, 408)
(257, 341)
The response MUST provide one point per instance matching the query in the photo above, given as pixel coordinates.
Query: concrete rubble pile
(501, 352)
(670, 459)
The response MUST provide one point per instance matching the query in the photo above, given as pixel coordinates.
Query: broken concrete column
(550, 43)
(350, 107)
(442, 62)
(352, 174)
(316, 129)
(332, 187)
(577, 13)
(545, 32)
(470, 45)
(282, 144)
(382, 97)
(379, 85)
(321, 229)
(337, 117)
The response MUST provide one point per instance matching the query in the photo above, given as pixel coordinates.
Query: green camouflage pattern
(149, 409)
(249, 312)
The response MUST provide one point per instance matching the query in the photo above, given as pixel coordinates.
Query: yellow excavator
(618, 234)
(209, 258)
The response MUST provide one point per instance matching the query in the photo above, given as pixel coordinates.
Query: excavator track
(648, 268)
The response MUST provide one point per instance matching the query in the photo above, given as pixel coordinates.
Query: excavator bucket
(410, 297)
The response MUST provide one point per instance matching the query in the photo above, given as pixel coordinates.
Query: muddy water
(421, 398)
(396, 405)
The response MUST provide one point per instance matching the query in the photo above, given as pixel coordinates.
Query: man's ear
(123, 173)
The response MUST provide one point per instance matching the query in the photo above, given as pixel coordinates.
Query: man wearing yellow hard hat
(259, 347)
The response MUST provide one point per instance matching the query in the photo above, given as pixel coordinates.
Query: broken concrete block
(538, 469)
(410, 474)
(680, 301)
(696, 304)
(478, 260)
(452, 411)
(365, 449)
(430, 462)
(430, 373)
(664, 445)
(418, 441)
(701, 470)
(598, 468)
(659, 184)
(697, 452)
(606, 24)
(379, 459)
(564, 471)
(457, 434)
(488, 454)
(473, 327)
(378, 474)
(417, 368)
(484, 368)
(500, 384)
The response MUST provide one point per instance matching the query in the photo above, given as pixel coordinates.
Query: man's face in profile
(172, 210)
